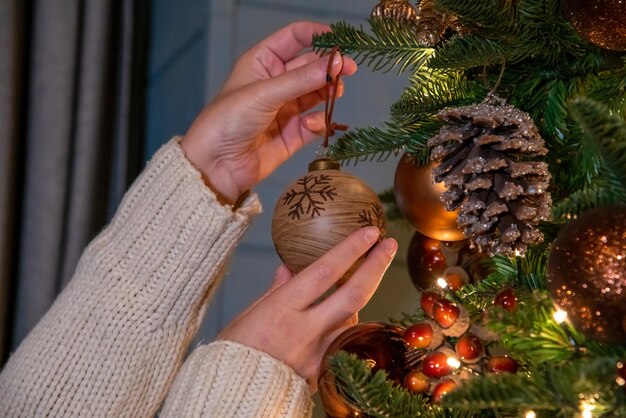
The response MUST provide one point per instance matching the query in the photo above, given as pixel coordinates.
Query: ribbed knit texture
(114, 340)
(252, 385)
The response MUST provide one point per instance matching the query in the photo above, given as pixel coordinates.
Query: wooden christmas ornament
(319, 210)
(418, 198)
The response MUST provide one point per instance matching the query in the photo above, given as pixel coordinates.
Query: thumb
(295, 83)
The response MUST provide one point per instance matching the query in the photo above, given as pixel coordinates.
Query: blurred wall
(194, 45)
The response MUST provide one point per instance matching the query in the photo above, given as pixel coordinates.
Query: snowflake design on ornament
(310, 199)
(373, 217)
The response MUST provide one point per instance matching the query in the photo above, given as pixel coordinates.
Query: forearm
(115, 338)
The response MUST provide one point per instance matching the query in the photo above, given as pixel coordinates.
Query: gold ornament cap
(324, 164)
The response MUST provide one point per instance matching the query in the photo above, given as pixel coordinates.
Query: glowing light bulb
(441, 282)
(585, 409)
(530, 414)
(559, 316)
(453, 362)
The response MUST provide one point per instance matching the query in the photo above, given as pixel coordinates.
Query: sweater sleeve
(114, 340)
(227, 379)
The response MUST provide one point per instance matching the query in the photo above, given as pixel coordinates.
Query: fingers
(349, 65)
(301, 60)
(281, 276)
(358, 290)
(286, 42)
(312, 125)
(276, 91)
(311, 100)
(312, 282)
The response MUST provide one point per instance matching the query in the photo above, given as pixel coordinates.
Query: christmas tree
(518, 108)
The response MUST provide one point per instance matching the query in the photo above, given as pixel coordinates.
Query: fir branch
(542, 26)
(609, 87)
(462, 53)
(601, 192)
(532, 268)
(392, 45)
(526, 277)
(532, 333)
(367, 143)
(378, 397)
(424, 99)
(406, 320)
(554, 110)
(477, 297)
(373, 394)
(598, 124)
(501, 391)
(486, 15)
(556, 388)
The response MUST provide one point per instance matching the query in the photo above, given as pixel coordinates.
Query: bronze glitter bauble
(587, 273)
(380, 345)
(601, 22)
(319, 210)
(417, 197)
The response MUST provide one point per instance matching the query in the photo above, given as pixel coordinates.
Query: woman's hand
(257, 121)
(290, 323)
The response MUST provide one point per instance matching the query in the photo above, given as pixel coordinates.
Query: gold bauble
(601, 22)
(417, 197)
(319, 210)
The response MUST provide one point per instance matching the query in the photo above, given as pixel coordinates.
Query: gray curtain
(70, 139)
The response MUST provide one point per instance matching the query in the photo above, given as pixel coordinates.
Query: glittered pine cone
(395, 9)
(487, 158)
(433, 24)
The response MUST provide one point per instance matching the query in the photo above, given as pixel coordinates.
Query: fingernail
(313, 124)
(372, 234)
(340, 89)
(337, 63)
(390, 246)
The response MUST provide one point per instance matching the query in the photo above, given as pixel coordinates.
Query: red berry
(443, 388)
(418, 335)
(427, 302)
(445, 313)
(502, 364)
(416, 381)
(430, 245)
(434, 261)
(436, 365)
(469, 348)
(454, 281)
(506, 299)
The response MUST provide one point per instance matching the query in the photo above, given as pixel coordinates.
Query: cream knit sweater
(113, 343)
